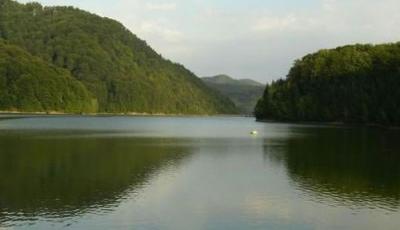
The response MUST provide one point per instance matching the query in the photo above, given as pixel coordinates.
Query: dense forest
(27, 83)
(120, 71)
(243, 92)
(352, 84)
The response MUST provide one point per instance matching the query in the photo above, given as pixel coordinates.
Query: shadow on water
(355, 167)
(65, 177)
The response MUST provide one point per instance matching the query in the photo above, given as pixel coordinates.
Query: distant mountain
(120, 72)
(244, 92)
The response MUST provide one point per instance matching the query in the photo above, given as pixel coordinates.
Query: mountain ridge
(226, 79)
(243, 92)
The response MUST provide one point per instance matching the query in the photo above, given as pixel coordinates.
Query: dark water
(195, 173)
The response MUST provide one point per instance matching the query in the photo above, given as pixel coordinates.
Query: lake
(194, 173)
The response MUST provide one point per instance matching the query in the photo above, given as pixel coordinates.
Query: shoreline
(17, 114)
(130, 114)
(337, 123)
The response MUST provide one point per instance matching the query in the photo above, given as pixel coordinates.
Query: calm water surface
(195, 173)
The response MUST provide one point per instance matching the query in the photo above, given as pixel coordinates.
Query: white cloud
(157, 29)
(170, 6)
(274, 23)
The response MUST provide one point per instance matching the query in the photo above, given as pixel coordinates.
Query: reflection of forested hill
(349, 165)
(39, 176)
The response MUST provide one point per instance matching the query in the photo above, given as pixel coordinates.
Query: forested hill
(355, 84)
(244, 92)
(27, 83)
(121, 72)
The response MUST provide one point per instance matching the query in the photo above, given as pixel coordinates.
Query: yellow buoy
(254, 132)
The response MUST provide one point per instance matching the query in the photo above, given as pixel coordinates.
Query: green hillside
(121, 71)
(355, 84)
(27, 83)
(244, 92)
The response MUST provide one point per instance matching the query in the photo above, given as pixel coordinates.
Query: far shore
(337, 123)
(133, 114)
(18, 114)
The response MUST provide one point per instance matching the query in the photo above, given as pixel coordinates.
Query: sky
(257, 39)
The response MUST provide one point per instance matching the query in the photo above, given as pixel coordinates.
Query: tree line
(352, 84)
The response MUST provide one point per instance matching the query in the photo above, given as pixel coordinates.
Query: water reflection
(64, 177)
(355, 167)
(195, 173)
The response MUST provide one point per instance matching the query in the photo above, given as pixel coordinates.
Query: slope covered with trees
(27, 83)
(121, 71)
(354, 84)
(244, 92)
